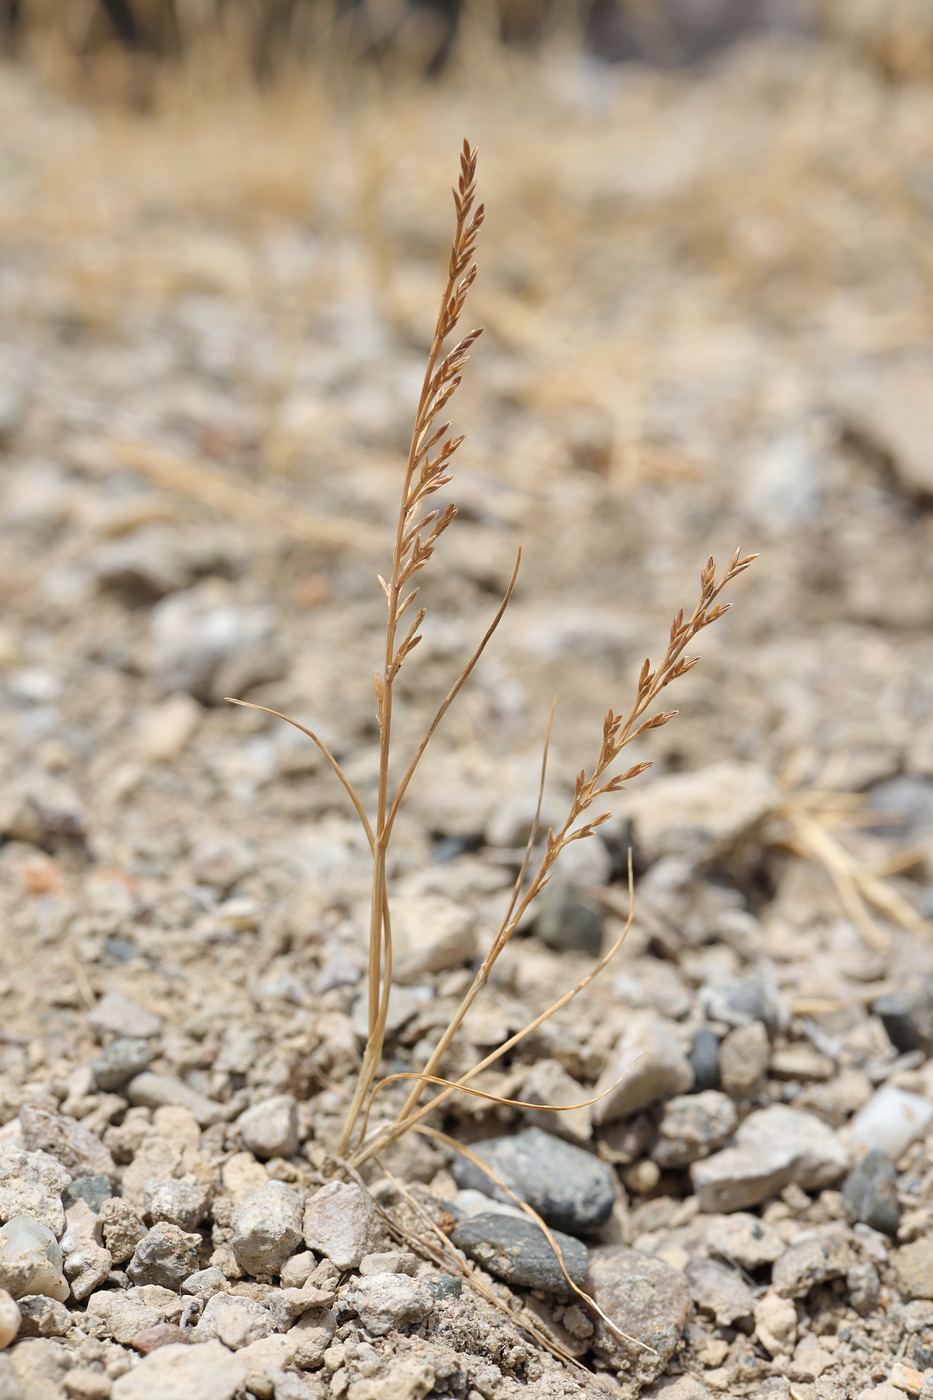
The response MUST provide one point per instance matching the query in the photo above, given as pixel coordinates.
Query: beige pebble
(776, 1324)
(166, 730)
(10, 1319)
(906, 1378)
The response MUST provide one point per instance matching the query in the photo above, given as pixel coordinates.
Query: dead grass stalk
(419, 527)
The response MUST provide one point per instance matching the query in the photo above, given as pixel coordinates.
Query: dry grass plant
(419, 527)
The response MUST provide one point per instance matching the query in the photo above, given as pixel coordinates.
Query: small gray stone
(392, 1261)
(719, 1290)
(568, 1187)
(205, 1282)
(341, 1221)
(691, 1126)
(442, 1286)
(387, 1301)
(192, 632)
(704, 1060)
(92, 1189)
(234, 1321)
(221, 861)
(31, 1260)
(166, 1256)
(179, 1372)
(519, 1252)
(312, 1334)
(65, 1139)
(814, 1258)
(698, 814)
(286, 1305)
(646, 1064)
(737, 1001)
(43, 811)
(549, 1083)
(773, 1147)
(270, 1127)
(180, 1203)
(744, 1055)
(645, 1299)
(566, 919)
(43, 1317)
(743, 1060)
(288, 1385)
(120, 1060)
(870, 1193)
(265, 1361)
(864, 1287)
(744, 1240)
(267, 1228)
(159, 1090)
(119, 1016)
(87, 1268)
(256, 664)
(434, 933)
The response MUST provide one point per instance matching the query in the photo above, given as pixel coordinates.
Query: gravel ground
(708, 309)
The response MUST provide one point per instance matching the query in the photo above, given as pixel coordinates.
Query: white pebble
(30, 1259)
(891, 1120)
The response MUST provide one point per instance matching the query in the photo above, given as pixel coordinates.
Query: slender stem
(248, 705)
(380, 937)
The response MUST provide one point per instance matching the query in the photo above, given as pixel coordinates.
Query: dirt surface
(708, 309)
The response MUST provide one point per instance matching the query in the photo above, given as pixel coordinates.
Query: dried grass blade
(248, 705)
(817, 843)
(210, 486)
(536, 823)
(451, 696)
(483, 1094)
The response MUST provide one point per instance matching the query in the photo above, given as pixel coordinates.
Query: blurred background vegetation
(113, 47)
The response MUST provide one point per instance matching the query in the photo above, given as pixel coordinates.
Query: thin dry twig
(464, 1088)
(341, 775)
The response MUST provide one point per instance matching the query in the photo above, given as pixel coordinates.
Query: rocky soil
(708, 302)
